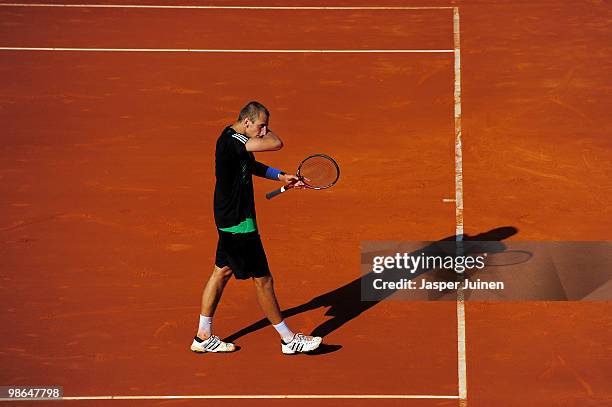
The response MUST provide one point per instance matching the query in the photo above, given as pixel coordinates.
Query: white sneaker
(300, 343)
(212, 344)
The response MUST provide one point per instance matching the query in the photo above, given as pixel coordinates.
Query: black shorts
(243, 253)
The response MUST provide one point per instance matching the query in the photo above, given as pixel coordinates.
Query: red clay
(107, 176)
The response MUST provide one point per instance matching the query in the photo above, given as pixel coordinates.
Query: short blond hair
(252, 110)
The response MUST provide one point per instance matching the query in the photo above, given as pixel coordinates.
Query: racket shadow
(345, 302)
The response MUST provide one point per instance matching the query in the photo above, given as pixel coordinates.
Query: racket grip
(272, 194)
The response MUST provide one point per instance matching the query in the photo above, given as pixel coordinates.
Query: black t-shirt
(234, 202)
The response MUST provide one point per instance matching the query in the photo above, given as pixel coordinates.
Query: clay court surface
(107, 174)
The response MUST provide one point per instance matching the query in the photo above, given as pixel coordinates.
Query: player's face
(258, 128)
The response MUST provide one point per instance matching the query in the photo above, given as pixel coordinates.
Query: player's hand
(292, 181)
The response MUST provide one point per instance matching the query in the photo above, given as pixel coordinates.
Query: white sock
(283, 330)
(205, 327)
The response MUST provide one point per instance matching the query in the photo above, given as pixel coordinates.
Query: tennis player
(239, 249)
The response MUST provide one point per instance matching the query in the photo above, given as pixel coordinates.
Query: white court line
(256, 396)
(458, 148)
(153, 6)
(248, 51)
(461, 345)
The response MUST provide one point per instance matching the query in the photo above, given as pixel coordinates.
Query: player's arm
(268, 142)
(265, 171)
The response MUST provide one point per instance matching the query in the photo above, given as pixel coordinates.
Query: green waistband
(246, 226)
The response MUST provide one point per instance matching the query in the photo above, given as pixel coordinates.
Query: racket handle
(272, 194)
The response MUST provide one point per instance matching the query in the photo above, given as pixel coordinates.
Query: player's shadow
(345, 302)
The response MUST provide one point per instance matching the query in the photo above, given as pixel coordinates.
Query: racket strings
(319, 172)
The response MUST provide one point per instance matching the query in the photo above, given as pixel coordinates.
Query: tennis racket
(318, 171)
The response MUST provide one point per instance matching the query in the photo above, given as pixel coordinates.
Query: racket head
(318, 171)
